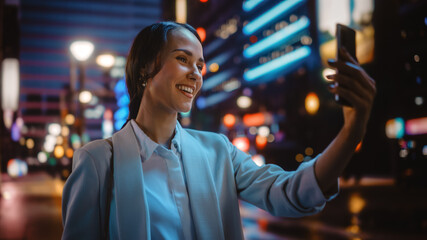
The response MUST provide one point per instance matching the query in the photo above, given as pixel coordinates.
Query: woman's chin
(185, 108)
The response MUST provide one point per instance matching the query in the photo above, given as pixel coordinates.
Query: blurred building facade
(39, 34)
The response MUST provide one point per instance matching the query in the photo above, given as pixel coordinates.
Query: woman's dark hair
(144, 53)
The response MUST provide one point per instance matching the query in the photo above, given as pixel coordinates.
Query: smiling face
(174, 87)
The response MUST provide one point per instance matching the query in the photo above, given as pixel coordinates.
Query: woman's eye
(182, 59)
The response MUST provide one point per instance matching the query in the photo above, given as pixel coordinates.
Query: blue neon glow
(120, 87)
(122, 113)
(119, 124)
(277, 64)
(212, 99)
(221, 58)
(217, 79)
(123, 101)
(399, 127)
(280, 37)
(248, 5)
(278, 10)
(201, 103)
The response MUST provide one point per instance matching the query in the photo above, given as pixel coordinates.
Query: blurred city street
(30, 208)
(267, 75)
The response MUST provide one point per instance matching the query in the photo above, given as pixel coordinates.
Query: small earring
(143, 78)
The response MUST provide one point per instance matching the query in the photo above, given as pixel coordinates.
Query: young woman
(155, 180)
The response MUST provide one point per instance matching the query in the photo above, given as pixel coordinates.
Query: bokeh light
(42, 157)
(17, 168)
(30, 143)
(299, 157)
(326, 72)
(259, 159)
(105, 60)
(242, 143)
(244, 102)
(260, 142)
(58, 152)
(263, 131)
(82, 50)
(69, 119)
(312, 103)
(308, 151)
(85, 96)
(202, 33)
(54, 129)
(395, 128)
(69, 152)
(214, 67)
(356, 204)
(229, 120)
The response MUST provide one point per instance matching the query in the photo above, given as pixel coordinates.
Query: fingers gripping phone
(346, 37)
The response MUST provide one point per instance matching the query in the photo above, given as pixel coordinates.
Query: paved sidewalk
(30, 207)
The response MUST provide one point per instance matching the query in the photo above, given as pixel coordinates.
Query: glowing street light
(82, 50)
(85, 96)
(105, 60)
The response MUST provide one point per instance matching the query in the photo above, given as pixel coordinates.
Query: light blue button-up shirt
(165, 187)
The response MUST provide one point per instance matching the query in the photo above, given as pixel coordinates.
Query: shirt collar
(148, 146)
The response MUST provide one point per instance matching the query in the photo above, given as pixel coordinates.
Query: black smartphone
(346, 37)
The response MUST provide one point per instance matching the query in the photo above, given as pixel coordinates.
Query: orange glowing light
(69, 152)
(358, 147)
(204, 70)
(202, 33)
(242, 143)
(261, 142)
(312, 103)
(203, 1)
(253, 39)
(229, 120)
(263, 223)
(255, 119)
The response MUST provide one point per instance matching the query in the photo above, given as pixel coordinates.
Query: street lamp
(81, 50)
(105, 60)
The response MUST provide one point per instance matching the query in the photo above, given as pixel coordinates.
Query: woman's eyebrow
(188, 53)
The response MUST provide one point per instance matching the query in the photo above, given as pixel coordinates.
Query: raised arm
(358, 88)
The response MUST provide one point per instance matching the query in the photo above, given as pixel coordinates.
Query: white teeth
(185, 89)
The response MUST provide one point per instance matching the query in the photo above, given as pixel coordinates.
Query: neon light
(217, 79)
(395, 128)
(123, 101)
(416, 126)
(250, 4)
(242, 143)
(277, 38)
(278, 10)
(277, 64)
(121, 113)
(222, 58)
(257, 119)
(212, 99)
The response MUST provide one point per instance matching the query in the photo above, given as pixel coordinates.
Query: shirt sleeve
(280, 192)
(80, 200)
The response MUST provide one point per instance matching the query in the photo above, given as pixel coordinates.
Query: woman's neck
(158, 124)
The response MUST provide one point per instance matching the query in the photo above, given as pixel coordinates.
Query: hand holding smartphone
(346, 37)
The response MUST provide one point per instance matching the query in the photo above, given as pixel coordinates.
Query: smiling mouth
(186, 90)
